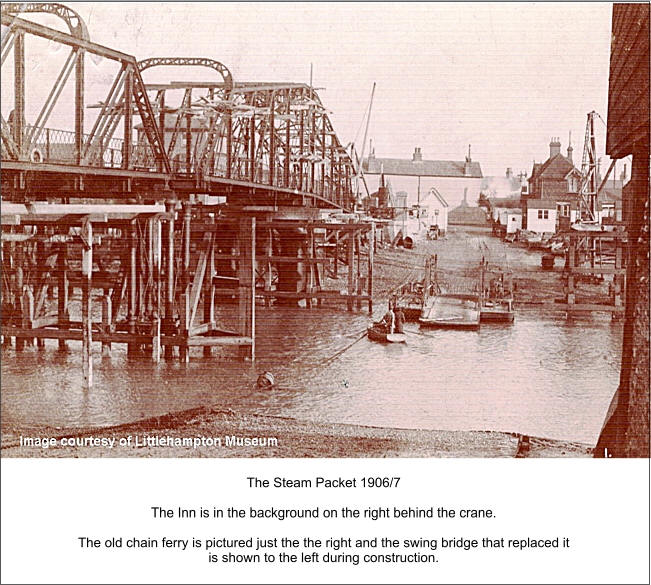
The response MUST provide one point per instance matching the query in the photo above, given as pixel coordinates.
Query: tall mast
(361, 156)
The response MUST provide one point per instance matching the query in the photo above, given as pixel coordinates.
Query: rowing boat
(376, 333)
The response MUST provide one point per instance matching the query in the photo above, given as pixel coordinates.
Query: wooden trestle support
(595, 255)
(157, 278)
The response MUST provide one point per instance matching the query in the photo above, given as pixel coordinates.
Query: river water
(542, 376)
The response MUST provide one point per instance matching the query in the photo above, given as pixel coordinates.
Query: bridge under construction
(169, 206)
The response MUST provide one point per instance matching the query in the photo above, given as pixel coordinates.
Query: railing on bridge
(50, 145)
(276, 135)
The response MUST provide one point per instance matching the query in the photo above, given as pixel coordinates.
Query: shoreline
(294, 438)
(303, 438)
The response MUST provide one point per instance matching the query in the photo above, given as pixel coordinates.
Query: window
(564, 209)
(572, 185)
(608, 211)
(543, 214)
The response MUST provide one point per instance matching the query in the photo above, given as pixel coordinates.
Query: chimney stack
(466, 166)
(417, 156)
(554, 147)
(570, 150)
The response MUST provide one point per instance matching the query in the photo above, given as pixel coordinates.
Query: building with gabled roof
(556, 181)
(453, 180)
(434, 209)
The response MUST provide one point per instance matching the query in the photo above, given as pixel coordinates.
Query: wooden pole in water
(184, 355)
(351, 268)
(371, 259)
(18, 298)
(309, 285)
(246, 276)
(86, 315)
(359, 283)
(156, 248)
(107, 319)
(169, 291)
(209, 289)
(187, 227)
(268, 281)
(428, 276)
(336, 254)
(62, 291)
(133, 283)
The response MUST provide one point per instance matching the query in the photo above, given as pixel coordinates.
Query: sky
(502, 77)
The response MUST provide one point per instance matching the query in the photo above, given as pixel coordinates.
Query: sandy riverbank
(280, 437)
(301, 438)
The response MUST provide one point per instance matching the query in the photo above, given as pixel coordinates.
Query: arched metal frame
(203, 155)
(75, 23)
(189, 62)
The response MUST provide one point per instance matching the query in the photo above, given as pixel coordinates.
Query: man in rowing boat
(400, 319)
(388, 322)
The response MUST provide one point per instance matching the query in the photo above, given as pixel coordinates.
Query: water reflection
(543, 376)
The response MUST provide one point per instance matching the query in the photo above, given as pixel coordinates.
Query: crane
(588, 190)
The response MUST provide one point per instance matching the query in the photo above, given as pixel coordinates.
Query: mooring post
(86, 315)
(570, 274)
(246, 277)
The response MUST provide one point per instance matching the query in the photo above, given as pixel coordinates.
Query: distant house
(541, 216)
(509, 219)
(434, 209)
(555, 181)
(453, 180)
(465, 214)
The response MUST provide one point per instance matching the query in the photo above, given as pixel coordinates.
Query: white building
(510, 218)
(455, 181)
(541, 216)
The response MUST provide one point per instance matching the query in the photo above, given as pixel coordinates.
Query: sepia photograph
(325, 230)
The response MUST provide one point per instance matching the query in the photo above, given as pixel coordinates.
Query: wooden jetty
(593, 255)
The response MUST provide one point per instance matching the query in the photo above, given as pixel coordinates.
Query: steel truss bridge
(113, 203)
(258, 143)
